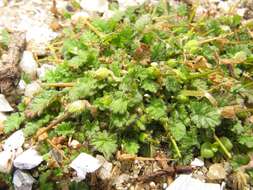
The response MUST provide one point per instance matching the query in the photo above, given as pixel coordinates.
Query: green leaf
(119, 106)
(247, 141)
(240, 160)
(32, 127)
(13, 122)
(156, 109)
(130, 146)
(204, 115)
(150, 86)
(178, 130)
(4, 38)
(84, 88)
(65, 129)
(40, 102)
(105, 143)
(172, 85)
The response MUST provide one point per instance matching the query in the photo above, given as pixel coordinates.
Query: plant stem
(53, 123)
(93, 29)
(222, 147)
(174, 143)
(60, 84)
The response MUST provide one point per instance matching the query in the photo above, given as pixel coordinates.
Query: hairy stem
(227, 153)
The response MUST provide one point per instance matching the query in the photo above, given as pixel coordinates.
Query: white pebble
(28, 64)
(83, 164)
(32, 89)
(28, 160)
(4, 104)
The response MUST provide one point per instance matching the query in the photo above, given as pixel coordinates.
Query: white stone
(241, 11)
(74, 144)
(38, 37)
(32, 89)
(41, 71)
(95, 5)
(28, 64)
(22, 180)
(197, 163)
(6, 161)
(21, 85)
(4, 104)
(83, 164)
(29, 159)
(105, 170)
(79, 15)
(108, 14)
(15, 141)
(216, 172)
(3, 117)
(186, 182)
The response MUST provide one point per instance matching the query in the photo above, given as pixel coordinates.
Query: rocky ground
(38, 20)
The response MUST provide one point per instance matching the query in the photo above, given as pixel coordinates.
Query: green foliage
(130, 146)
(13, 122)
(204, 115)
(84, 88)
(105, 143)
(42, 101)
(4, 38)
(65, 129)
(156, 109)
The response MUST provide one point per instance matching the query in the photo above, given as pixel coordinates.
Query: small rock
(56, 155)
(21, 85)
(15, 141)
(32, 89)
(105, 170)
(186, 182)
(197, 163)
(4, 104)
(95, 5)
(6, 161)
(41, 72)
(74, 144)
(3, 117)
(216, 172)
(28, 159)
(152, 185)
(79, 15)
(38, 38)
(28, 64)
(83, 164)
(22, 180)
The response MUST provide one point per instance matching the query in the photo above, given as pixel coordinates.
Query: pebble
(41, 71)
(216, 172)
(3, 117)
(197, 163)
(105, 170)
(15, 141)
(74, 144)
(6, 161)
(83, 164)
(28, 64)
(94, 5)
(186, 182)
(29, 159)
(4, 104)
(22, 180)
(32, 89)
(152, 185)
